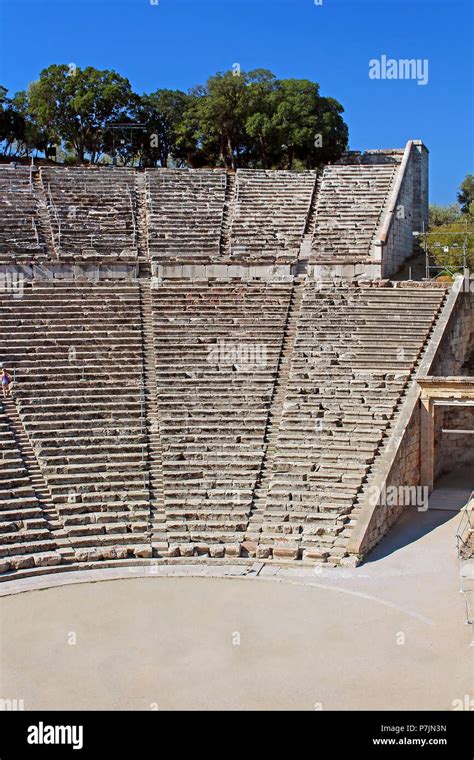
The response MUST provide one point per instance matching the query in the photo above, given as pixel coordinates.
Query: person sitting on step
(7, 382)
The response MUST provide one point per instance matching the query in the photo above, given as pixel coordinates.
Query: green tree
(466, 193)
(162, 111)
(12, 126)
(260, 99)
(334, 134)
(236, 119)
(254, 119)
(310, 128)
(34, 138)
(79, 105)
(218, 112)
(445, 243)
(193, 147)
(440, 215)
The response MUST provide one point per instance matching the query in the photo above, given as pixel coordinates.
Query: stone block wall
(457, 342)
(404, 474)
(420, 185)
(451, 449)
(383, 156)
(271, 272)
(409, 212)
(49, 270)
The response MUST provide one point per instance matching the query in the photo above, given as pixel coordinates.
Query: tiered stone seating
(266, 413)
(19, 234)
(354, 352)
(25, 537)
(184, 212)
(217, 351)
(92, 212)
(349, 208)
(77, 351)
(270, 214)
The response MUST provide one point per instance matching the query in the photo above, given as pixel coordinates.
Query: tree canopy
(446, 243)
(440, 215)
(466, 194)
(451, 230)
(79, 106)
(235, 119)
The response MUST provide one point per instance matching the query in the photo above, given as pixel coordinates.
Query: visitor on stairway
(7, 382)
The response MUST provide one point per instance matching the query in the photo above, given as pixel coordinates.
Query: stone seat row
(93, 483)
(337, 411)
(196, 468)
(91, 210)
(186, 213)
(350, 204)
(299, 472)
(24, 529)
(19, 235)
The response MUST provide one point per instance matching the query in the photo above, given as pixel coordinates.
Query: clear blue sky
(179, 43)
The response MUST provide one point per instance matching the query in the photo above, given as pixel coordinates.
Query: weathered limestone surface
(454, 353)
(356, 349)
(203, 217)
(350, 204)
(270, 214)
(407, 210)
(26, 539)
(453, 449)
(250, 396)
(92, 212)
(185, 210)
(77, 354)
(404, 473)
(20, 238)
(217, 351)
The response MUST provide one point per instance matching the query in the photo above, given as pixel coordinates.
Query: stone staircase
(77, 351)
(184, 214)
(43, 216)
(154, 455)
(27, 453)
(264, 409)
(308, 235)
(218, 345)
(240, 412)
(250, 546)
(228, 215)
(143, 258)
(187, 216)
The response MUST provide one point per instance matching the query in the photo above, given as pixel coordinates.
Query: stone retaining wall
(458, 337)
(408, 210)
(451, 449)
(404, 473)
